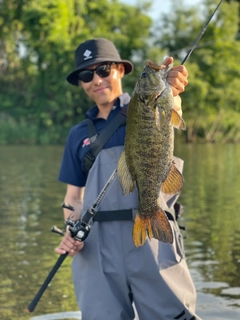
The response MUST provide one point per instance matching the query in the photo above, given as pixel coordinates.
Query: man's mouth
(100, 89)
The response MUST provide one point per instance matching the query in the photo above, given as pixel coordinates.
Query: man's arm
(74, 197)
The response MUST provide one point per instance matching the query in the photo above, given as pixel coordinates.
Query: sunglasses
(102, 71)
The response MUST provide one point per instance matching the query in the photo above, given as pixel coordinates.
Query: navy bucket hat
(95, 51)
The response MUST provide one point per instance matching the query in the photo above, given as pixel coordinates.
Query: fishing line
(201, 34)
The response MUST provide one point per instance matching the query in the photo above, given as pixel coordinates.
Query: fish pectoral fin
(160, 117)
(177, 121)
(155, 226)
(173, 182)
(124, 175)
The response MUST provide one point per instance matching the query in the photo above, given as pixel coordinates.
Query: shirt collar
(120, 102)
(124, 99)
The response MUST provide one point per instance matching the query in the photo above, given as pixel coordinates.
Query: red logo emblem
(86, 142)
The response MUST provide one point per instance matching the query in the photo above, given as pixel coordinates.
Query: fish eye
(143, 75)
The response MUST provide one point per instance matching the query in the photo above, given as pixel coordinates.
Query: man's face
(104, 90)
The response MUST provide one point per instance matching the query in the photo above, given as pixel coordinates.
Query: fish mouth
(155, 67)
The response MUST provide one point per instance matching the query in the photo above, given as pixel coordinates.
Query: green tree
(37, 52)
(238, 1)
(211, 103)
(38, 39)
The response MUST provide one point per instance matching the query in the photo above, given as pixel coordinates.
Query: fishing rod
(201, 34)
(79, 229)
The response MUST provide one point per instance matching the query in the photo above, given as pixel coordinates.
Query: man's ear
(121, 69)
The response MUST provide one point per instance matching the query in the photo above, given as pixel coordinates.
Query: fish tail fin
(161, 228)
(156, 226)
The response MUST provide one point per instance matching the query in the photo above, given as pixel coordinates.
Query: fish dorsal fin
(177, 121)
(124, 175)
(174, 181)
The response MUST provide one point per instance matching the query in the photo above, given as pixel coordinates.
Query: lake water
(30, 202)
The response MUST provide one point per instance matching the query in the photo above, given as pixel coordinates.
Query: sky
(162, 6)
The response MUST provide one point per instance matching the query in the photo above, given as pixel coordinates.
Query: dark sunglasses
(102, 71)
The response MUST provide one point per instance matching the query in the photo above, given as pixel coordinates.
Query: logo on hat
(87, 55)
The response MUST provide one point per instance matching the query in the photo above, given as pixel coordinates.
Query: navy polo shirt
(72, 169)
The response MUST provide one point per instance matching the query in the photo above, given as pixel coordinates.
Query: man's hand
(177, 77)
(70, 245)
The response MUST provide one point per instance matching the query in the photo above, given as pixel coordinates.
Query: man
(109, 272)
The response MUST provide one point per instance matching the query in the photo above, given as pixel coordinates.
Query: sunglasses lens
(85, 75)
(104, 70)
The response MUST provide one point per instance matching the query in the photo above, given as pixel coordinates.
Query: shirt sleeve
(71, 171)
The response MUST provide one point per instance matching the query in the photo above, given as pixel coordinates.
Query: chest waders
(109, 273)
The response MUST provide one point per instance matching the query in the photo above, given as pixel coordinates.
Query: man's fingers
(68, 244)
(168, 61)
(181, 69)
(176, 75)
(77, 247)
(177, 78)
(60, 251)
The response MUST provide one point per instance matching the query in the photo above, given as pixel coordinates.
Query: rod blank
(55, 268)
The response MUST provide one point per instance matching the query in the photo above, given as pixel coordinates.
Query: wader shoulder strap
(97, 142)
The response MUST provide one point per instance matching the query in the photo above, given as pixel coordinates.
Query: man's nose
(96, 79)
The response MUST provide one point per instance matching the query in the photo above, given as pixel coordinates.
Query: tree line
(37, 44)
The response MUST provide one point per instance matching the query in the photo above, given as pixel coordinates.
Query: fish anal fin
(177, 121)
(173, 182)
(124, 175)
(155, 226)
(139, 231)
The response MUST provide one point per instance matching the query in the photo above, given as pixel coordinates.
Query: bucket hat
(95, 51)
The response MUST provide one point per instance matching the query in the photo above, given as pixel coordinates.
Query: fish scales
(147, 159)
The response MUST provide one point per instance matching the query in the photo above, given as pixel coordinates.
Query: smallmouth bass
(147, 160)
